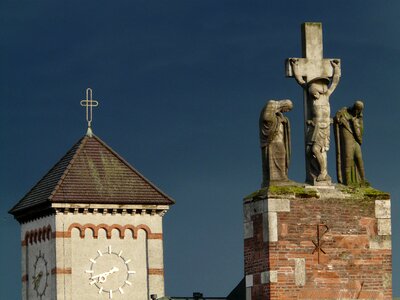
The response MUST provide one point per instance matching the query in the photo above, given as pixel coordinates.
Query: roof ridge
(68, 168)
(132, 168)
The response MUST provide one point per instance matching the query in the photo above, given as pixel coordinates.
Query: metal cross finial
(89, 103)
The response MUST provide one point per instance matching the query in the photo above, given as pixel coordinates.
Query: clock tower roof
(90, 173)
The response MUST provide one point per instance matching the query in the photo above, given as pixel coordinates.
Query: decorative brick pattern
(153, 271)
(37, 235)
(61, 271)
(355, 260)
(61, 234)
(108, 229)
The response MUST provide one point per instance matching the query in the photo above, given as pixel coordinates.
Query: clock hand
(113, 270)
(101, 278)
(36, 280)
(104, 276)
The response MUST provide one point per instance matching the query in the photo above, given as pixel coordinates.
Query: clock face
(110, 272)
(40, 275)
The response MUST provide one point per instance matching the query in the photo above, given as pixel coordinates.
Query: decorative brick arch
(131, 228)
(102, 226)
(145, 228)
(109, 228)
(84, 230)
(119, 228)
(79, 227)
(48, 232)
(37, 235)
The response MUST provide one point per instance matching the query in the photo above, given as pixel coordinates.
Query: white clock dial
(40, 275)
(110, 272)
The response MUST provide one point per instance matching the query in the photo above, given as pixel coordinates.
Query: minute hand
(103, 276)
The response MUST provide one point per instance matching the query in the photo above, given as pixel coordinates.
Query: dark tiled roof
(91, 172)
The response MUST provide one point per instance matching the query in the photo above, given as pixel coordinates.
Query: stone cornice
(113, 209)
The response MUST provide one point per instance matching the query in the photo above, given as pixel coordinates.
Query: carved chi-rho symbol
(322, 229)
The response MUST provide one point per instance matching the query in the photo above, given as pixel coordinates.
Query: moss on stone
(261, 193)
(363, 194)
(297, 191)
(284, 190)
(368, 193)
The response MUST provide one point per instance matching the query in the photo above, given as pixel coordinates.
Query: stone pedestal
(315, 243)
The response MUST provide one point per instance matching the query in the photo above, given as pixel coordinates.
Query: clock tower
(91, 228)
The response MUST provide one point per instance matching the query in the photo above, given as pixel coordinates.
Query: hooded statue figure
(348, 127)
(275, 141)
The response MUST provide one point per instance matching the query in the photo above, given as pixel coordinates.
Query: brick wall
(329, 246)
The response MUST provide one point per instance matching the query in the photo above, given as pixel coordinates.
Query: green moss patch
(297, 191)
(284, 190)
(261, 193)
(365, 192)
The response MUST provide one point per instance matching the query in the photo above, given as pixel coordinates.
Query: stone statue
(275, 141)
(318, 126)
(348, 127)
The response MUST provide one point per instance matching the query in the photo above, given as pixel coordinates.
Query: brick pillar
(308, 243)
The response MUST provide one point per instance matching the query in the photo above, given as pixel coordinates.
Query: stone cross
(312, 64)
(311, 67)
(89, 103)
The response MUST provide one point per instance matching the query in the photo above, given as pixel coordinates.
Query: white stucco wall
(75, 252)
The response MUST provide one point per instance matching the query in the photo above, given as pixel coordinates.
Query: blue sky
(181, 85)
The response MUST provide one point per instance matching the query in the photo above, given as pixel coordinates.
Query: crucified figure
(318, 126)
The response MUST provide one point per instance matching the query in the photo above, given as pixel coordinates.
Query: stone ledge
(278, 205)
(265, 205)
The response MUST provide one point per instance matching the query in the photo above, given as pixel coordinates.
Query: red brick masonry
(354, 261)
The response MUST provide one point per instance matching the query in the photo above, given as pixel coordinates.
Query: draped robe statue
(275, 141)
(348, 127)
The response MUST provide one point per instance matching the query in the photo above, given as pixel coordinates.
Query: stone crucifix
(319, 77)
